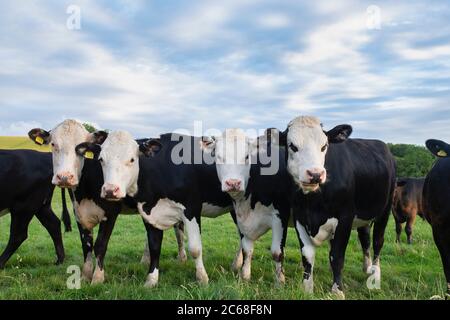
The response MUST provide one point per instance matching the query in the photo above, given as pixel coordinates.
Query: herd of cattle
(325, 185)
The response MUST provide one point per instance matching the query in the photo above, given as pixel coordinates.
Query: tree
(412, 160)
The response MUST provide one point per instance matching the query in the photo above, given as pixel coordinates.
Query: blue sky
(156, 66)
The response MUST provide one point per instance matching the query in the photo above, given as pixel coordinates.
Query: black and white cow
(436, 207)
(26, 191)
(168, 189)
(85, 176)
(260, 199)
(340, 184)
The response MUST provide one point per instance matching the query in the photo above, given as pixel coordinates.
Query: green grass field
(408, 271)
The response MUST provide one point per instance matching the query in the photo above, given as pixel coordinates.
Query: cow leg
(146, 255)
(409, 226)
(239, 257)
(308, 251)
(279, 232)
(337, 256)
(364, 239)
(155, 237)
(87, 244)
(378, 240)
(52, 224)
(101, 245)
(247, 248)
(18, 234)
(179, 234)
(195, 247)
(398, 229)
(442, 240)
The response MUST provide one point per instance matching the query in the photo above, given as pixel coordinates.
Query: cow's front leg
(337, 256)
(364, 239)
(155, 237)
(101, 245)
(308, 251)
(87, 244)
(279, 231)
(195, 247)
(247, 248)
(239, 257)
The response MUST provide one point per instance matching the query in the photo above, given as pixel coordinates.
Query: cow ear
(98, 137)
(438, 148)
(401, 182)
(88, 150)
(339, 133)
(150, 147)
(39, 136)
(276, 137)
(208, 144)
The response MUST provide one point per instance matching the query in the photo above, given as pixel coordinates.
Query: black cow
(259, 185)
(407, 205)
(168, 184)
(436, 207)
(356, 194)
(26, 189)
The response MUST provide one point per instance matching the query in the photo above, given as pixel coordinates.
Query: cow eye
(100, 159)
(324, 148)
(132, 160)
(293, 147)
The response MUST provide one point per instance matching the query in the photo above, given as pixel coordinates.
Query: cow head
(119, 158)
(67, 165)
(232, 151)
(438, 148)
(307, 144)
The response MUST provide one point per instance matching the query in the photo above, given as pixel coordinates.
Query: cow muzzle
(65, 180)
(314, 178)
(233, 185)
(111, 192)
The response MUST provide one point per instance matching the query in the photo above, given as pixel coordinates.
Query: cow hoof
(338, 293)
(152, 279)
(280, 279)
(246, 276)
(99, 276)
(182, 257)
(59, 261)
(238, 262)
(308, 285)
(202, 277)
(88, 271)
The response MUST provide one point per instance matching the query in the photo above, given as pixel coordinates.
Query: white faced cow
(166, 193)
(71, 170)
(344, 184)
(261, 201)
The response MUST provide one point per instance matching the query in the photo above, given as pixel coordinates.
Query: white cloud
(274, 21)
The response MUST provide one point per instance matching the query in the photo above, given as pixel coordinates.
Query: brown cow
(407, 204)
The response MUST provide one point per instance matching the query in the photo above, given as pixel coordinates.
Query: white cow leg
(99, 274)
(146, 255)
(238, 260)
(195, 249)
(179, 233)
(247, 248)
(308, 251)
(88, 267)
(277, 249)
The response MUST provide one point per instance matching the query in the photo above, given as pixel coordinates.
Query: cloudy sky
(156, 66)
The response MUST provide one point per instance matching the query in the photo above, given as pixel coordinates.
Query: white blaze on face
(120, 163)
(307, 145)
(67, 165)
(233, 152)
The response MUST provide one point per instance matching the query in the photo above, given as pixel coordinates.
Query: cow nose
(315, 176)
(65, 179)
(111, 192)
(233, 184)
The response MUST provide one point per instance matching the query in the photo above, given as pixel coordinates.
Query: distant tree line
(412, 160)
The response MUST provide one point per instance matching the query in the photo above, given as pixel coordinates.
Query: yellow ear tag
(89, 155)
(39, 140)
(442, 153)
